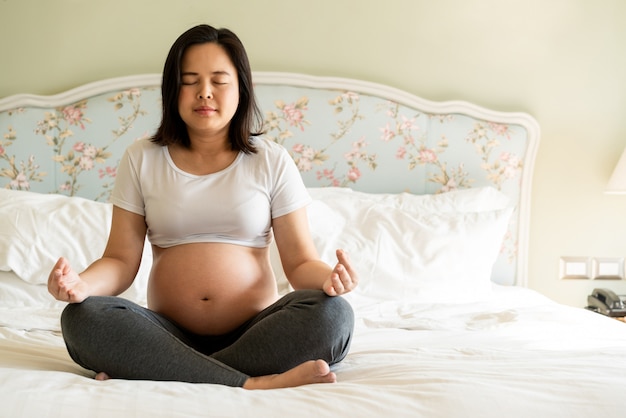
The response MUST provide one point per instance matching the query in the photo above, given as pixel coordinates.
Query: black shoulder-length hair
(247, 121)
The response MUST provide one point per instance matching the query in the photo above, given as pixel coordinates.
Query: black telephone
(606, 302)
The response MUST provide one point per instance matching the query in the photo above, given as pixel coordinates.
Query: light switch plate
(575, 268)
(608, 268)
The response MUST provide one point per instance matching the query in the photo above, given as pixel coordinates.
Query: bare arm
(109, 275)
(301, 262)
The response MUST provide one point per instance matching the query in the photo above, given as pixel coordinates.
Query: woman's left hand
(343, 278)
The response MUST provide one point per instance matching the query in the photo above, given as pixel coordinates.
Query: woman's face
(209, 94)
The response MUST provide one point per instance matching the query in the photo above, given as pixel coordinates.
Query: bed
(431, 200)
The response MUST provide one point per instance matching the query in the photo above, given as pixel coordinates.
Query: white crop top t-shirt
(235, 205)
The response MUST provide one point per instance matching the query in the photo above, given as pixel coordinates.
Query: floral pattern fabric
(336, 138)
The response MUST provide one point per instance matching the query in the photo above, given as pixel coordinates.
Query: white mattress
(516, 355)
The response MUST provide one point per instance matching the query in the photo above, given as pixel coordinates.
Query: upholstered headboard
(340, 132)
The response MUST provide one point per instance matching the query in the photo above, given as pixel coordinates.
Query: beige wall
(563, 61)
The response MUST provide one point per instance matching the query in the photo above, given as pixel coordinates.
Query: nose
(205, 91)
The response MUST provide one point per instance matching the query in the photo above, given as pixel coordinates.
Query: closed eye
(188, 81)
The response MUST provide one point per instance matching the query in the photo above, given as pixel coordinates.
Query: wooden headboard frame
(341, 132)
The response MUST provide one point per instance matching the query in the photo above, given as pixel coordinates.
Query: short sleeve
(289, 191)
(126, 192)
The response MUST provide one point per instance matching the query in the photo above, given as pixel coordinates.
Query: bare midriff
(210, 288)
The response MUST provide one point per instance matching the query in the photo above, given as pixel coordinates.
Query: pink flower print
(427, 156)
(20, 181)
(79, 146)
(293, 116)
(512, 164)
(355, 152)
(134, 92)
(66, 186)
(388, 134)
(449, 186)
(90, 151)
(509, 172)
(480, 132)
(350, 97)
(326, 173)
(85, 162)
(509, 244)
(500, 129)
(304, 164)
(360, 143)
(2, 151)
(509, 158)
(73, 115)
(298, 148)
(308, 153)
(107, 172)
(401, 153)
(407, 124)
(329, 175)
(354, 174)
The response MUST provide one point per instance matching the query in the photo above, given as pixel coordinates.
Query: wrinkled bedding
(516, 354)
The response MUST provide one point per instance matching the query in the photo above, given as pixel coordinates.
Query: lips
(205, 110)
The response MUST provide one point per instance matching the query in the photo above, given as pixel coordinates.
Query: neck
(209, 145)
(203, 157)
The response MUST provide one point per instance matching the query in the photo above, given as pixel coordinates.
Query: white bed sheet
(516, 355)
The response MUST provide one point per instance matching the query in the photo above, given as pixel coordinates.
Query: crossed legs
(293, 341)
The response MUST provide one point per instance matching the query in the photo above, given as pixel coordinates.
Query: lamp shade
(617, 182)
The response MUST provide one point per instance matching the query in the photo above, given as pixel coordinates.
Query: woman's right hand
(65, 284)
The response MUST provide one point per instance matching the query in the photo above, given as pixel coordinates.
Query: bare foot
(102, 376)
(313, 371)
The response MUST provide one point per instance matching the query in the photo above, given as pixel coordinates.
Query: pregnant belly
(210, 288)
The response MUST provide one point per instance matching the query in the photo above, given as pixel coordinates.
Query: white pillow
(478, 199)
(16, 293)
(36, 229)
(431, 248)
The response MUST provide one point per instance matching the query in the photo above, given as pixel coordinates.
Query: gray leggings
(127, 341)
